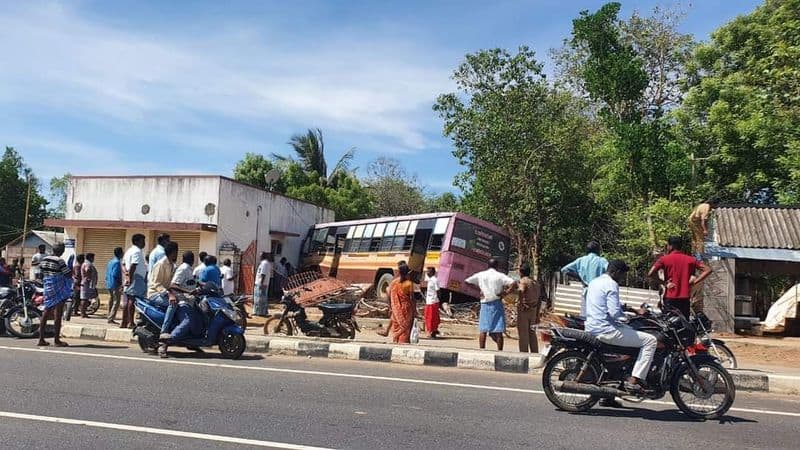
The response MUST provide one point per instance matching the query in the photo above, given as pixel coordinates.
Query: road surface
(99, 395)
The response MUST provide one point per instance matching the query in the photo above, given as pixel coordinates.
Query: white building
(201, 213)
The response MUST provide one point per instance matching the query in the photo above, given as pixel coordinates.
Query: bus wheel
(382, 287)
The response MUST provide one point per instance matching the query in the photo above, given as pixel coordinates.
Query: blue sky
(136, 87)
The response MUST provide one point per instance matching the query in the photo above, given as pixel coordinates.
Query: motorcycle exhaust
(588, 389)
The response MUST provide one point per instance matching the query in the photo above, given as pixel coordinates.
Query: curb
(745, 380)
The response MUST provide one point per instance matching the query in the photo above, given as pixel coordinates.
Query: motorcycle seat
(584, 336)
(336, 308)
(575, 316)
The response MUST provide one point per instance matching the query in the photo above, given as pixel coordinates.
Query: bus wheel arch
(383, 278)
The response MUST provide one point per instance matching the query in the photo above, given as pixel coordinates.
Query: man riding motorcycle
(604, 320)
(187, 318)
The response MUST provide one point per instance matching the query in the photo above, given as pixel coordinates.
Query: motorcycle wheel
(566, 366)
(93, 306)
(232, 345)
(278, 325)
(699, 403)
(723, 354)
(147, 345)
(16, 325)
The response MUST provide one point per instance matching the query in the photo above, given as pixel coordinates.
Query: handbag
(414, 339)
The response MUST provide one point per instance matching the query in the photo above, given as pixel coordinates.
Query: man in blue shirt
(587, 268)
(158, 252)
(114, 283)
(604, 321)
(211, 273)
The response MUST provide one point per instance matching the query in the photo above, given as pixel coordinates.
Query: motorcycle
(21, 309)
(716, 347)
(337, 321)
(220, 325)
(580, 369)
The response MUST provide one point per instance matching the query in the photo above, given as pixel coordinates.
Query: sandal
(61, 344)
(43, 344)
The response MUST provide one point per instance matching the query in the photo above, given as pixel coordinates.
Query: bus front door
(419, 249)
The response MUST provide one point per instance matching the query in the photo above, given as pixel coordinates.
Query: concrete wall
(171, 199)
(719, 294)
(293, 216)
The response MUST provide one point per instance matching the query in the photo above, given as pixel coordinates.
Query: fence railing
(567, 298)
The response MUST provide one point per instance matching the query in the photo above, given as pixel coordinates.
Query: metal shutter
(102, 242)
(186, 240)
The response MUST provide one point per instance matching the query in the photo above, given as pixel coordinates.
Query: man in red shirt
(679, 275)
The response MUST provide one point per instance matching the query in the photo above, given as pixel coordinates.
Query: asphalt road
(95, 395)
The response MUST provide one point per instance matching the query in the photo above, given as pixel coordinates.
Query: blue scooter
(220, 325)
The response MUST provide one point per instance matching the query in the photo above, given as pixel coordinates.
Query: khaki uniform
(700, 214)
(528, 306)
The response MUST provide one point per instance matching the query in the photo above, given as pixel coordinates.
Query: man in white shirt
(431, 288)
(494, 286)
(201, 266)
(261, 288)
(160, 250)
(135, 277)
(36, 271)
(604, 317)
(227, 277)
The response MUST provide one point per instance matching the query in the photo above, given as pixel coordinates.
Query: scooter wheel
(147, 345)
(232, 345)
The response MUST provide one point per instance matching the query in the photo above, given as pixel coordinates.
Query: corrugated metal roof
(758, 227)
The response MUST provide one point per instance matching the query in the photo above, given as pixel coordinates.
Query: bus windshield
(477, 242)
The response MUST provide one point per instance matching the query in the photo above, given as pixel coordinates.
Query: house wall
(171, 199)
(293, 216)
(719, 294)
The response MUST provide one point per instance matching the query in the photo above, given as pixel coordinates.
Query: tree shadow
(657, 415)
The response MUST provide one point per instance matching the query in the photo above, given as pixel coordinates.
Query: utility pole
(22, 249)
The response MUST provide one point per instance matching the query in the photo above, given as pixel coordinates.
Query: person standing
(401, 296)
(74, 305)
(5, 273)
(114, 284)
(36, 270)
(88, 283)
(385, 332)
(261, 288)
(135, 277)
(211, 274)
(587, 268)
(431, 289)
(698, 224)
(201, 265)
(494, 285)
(528, 305)
(227, 277)
(159, 281)
(160, 250)
(57, 290)
(679, 276)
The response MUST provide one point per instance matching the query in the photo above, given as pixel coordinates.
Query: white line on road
(160, 431)
(346, 375)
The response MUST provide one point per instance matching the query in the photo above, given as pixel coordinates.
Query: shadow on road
(96, 346)
(211, 355)
(661, 416)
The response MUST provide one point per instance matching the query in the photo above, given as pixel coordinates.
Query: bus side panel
(454, 269)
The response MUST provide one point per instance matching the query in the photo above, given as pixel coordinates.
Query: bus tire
(382, 286)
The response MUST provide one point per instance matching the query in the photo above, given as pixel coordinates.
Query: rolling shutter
(102, 242)
(186, 240)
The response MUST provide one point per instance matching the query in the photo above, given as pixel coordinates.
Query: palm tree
(310, 151)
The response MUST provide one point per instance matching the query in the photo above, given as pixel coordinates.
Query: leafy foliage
(14, 179)
(393, 190)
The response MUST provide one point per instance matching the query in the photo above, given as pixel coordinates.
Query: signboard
(477, 242)
(69, 243)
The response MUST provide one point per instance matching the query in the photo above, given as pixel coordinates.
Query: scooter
(220, 325)
(337, 320)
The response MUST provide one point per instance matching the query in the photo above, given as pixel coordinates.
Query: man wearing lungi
(494, 286)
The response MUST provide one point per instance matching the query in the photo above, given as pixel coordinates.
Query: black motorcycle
(19, 314)
(704, 326)
(580, 370)
(337, 320)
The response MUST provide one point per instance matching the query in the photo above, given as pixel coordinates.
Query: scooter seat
(336, 308)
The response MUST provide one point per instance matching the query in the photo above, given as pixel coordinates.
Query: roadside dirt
(765, 354)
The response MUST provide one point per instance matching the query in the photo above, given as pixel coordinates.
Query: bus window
(436, 242)
(350, 232)
(412, 227)
(441, 225)
(359, 232)
(380, 228)
(398, 243)
(476, 242)
(402, 227)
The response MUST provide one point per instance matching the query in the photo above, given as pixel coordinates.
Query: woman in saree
(401, 295)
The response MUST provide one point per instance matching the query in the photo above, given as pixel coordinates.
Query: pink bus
(366, 251)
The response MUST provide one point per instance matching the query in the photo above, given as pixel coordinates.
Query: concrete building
(753, 250)
(214, 214)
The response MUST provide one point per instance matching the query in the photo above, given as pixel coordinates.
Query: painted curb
(745, 380)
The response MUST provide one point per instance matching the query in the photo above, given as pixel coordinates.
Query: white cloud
(174, 85)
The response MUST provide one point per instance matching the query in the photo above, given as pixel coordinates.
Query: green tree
(742, 107)
(253, 168)
(58, 195)
(445, 202)
(310, 151)
(522, 144)
(14, 179)
(394, 191)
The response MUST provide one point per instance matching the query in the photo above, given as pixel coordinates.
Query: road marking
(160, 431)
(347, 375)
